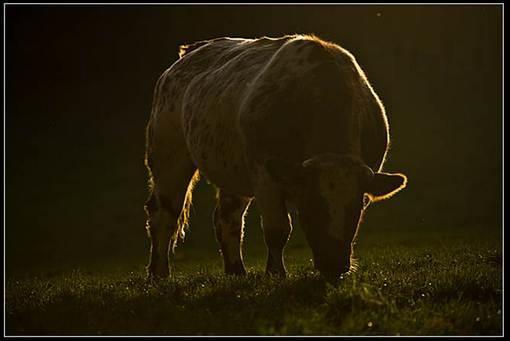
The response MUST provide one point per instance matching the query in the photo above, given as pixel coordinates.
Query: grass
(415, 284)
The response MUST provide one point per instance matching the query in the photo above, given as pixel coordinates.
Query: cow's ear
(284, 172)
(384, 185)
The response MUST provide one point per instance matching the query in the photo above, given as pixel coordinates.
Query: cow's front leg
(276, 225)
(229, 223)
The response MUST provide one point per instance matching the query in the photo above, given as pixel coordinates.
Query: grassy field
(431, 260)
(406, 284)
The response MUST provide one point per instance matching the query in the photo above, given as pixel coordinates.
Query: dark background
(79, 82)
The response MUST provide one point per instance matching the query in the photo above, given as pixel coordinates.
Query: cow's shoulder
(310, 50)
(292, 71)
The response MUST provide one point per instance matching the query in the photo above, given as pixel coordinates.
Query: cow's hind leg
(168, 208)
(228, 223)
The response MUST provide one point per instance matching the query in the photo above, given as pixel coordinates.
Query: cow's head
(331, 192)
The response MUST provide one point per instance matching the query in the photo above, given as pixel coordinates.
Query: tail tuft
(183, 221)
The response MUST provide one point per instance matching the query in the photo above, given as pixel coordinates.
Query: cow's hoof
(155, 273)
(276, 273)
(236, 269)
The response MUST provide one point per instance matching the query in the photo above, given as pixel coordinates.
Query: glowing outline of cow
(286, 120)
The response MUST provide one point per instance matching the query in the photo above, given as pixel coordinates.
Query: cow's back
(237, 102)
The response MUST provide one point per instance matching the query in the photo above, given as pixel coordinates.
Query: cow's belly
(218, 153)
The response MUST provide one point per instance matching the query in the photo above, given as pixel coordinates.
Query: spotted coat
(230, 106)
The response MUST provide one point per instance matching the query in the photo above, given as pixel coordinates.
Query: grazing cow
(287, 121)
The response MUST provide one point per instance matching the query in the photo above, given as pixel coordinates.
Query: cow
(291, 122)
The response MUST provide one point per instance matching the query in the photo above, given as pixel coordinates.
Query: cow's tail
(183, 221)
